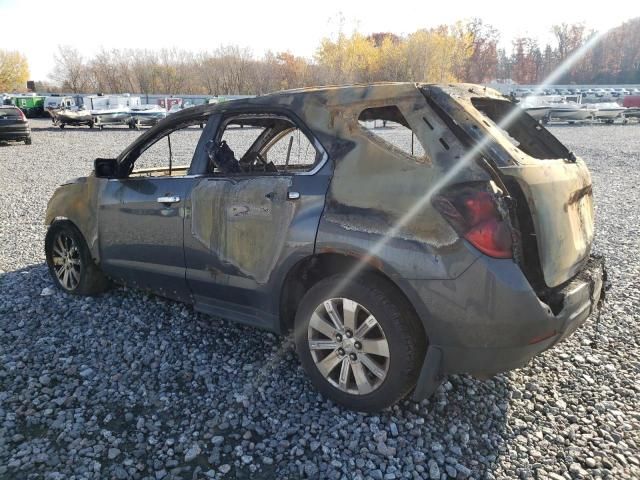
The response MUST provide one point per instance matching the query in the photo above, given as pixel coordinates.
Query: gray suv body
(462, 247)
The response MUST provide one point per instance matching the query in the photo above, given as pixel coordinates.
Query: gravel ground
(129, 385)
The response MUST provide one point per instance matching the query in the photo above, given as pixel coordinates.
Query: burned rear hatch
(538, 170)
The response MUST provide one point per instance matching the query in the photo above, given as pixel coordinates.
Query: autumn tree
(527, 63)
(348, 59)
(436, 55)
(482, 63)
(14, 71)
(464, 51)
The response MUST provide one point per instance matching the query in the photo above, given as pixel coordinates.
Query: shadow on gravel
(129, 385)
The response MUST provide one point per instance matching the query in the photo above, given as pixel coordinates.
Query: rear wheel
(27, 141)
(70, 263)
(360, 343)
(61, 125)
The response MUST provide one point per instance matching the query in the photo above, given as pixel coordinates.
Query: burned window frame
(398, 118)
(127, 159)
(160, 137)
(321, 156)
(542, 145)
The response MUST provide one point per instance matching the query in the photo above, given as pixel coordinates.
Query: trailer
(31, 104)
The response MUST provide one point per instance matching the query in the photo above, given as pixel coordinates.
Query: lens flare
(422, 202)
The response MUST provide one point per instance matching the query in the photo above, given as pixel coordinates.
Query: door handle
(174, 199)
(293, 195)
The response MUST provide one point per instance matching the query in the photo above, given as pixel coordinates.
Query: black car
(14, 125)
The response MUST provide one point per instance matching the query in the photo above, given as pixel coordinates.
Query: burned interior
(269, 144)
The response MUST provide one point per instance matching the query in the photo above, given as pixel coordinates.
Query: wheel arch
(310, 270)
(76, 202)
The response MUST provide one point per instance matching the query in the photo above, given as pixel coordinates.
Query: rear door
(247, 229)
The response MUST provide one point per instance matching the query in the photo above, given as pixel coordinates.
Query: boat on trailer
(538, 112)
(110, 109)
(147, 115)
(608, 111)
(56, 103)
(75, 116)
(571, 111)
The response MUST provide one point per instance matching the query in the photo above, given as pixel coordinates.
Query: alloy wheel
(348, 346)
(65, 256)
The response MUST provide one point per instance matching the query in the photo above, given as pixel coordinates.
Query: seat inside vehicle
(265, 144)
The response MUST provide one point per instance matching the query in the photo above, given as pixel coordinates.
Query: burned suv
(401, 231)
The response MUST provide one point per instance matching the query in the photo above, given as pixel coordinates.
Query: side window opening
(291, 149)
(261, 144)
(523, 131)
(240, 136)
(388, 126)
(171, 154)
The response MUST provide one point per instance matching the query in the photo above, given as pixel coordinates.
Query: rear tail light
(473, 213)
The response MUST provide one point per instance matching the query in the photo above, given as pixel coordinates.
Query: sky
(37, 27)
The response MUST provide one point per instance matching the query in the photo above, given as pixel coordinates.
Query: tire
(88, 279)
(61, 125)
(27, 141)
(397, 324)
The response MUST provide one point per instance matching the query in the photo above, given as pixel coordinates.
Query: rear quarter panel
(379, 200)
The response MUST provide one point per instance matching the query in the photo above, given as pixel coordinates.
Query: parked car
(396, 255)
(14, 125)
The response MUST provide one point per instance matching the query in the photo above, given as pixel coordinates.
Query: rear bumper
(15, 133)
(508, 324)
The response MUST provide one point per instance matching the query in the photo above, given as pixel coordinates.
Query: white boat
(55, 103)
(537, 112)
(608, 111)
(571, 111)
(111, 116)
(110, 109)
(537, 106)
(73, 116)
(148, 114)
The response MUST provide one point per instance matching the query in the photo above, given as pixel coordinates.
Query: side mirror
(105, 167)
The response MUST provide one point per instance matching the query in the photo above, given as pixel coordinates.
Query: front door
(141, 217)
(141, 233)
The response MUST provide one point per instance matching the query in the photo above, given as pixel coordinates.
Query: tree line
(465, 51)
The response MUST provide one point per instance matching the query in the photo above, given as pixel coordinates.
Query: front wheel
(70, 263)
(27, 141)
(359, 341)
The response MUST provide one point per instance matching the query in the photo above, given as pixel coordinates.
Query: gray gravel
(129, 385)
